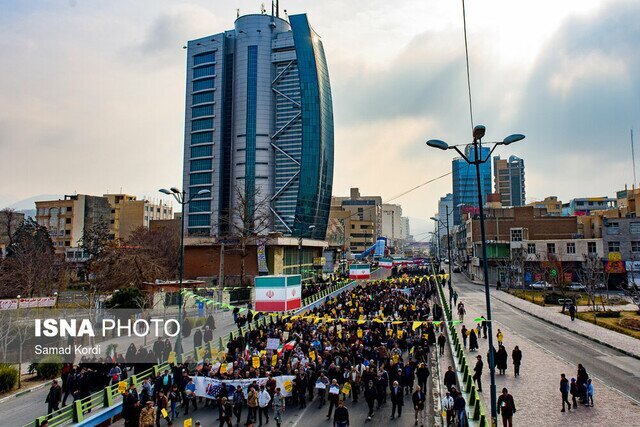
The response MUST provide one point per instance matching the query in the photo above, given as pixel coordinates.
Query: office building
(509, 180)
(128, 213)
(444, 203)
(259, 128)
(66, 219)
(392, 224)
(465, 184)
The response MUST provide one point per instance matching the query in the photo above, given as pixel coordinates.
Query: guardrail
(477, 412)
(77, 412)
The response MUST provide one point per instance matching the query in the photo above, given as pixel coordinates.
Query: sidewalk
(552, 314)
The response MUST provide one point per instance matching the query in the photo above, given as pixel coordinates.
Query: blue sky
(92, 94)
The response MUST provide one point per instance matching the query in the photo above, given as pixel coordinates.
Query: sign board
(614, 256)
(42, 302)
(273, 343)
(319, 262)
(359, 271)
(278, 293)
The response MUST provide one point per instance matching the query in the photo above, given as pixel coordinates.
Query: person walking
(564, 391)
(263, 402)
(501, 359)
(53, 397)
(461, 311)
(238, 401)
(460, 409)
(148, 415)
(506, 407)
(370, 395)
(590, 392)
(516, 356)
(477, 375)
(447, 405)
(583, 376)
(484, 327)
(500, 337)
(441, 342)
(341, 416)
(575, 393)
(334, 393)
(227, 413)
(572, 312)
(278, 406)
(465, 333)
(252, 404)
(418, 399)
(473, 340)
(422, 373)
(449, 378)
(397, 399)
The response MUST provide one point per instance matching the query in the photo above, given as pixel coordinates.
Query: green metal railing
(475, 403)
(107, 397)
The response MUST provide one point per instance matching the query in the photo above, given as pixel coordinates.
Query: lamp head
(204, 191)
(437, 143)
(165, 191)
(433, 218)
(512, 138)
(174, 190)
(478, 132)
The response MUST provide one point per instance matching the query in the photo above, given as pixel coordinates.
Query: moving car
(575, 286)
(541, 285)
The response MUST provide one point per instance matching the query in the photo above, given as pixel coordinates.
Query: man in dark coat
(477, 373)
(397, 399)
(54, 397)
(507, 408)
(449, 378)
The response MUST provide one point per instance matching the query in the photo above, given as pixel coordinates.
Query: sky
(92, 93)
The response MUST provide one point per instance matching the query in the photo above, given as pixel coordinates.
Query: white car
(575, 286)
(541, 285)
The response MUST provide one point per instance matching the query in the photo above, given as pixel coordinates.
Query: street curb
(27, 391)
(635, 356)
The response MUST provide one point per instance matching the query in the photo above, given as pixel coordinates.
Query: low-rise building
(551, 204)
(128, 213)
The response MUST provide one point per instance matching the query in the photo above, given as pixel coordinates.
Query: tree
(129, 297)
(248, 219)
(11, 221)
(592, 275)
(31, 267)
(95, 238)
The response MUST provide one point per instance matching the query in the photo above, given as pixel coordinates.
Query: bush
(630, 323)
(49, 367)
(8, 377)
(608, 314)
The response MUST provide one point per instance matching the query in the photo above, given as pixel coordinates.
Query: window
(201, 151)
(614, 246)
(67, 232)
(201, 98)
(531, 248)
(69, 209)
(200, 206)
(551, 248)
(68, 220)
(591, 247)
(516, 234)
(203, 84)
(634, 227)
(200, 178)
(201, 138)
(571, 248)
(208, 70)
(198, 220)
(613, 228)
(635, 247)
(201, 124)
(204, 57)
(205, 110)
(200, 165)
(67, 243)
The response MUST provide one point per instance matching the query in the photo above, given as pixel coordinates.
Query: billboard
(278, 293)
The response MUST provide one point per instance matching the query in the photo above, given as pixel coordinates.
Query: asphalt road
(617, 370)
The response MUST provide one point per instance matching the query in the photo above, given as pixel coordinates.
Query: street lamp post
(478, 134)
(181, 198)
(311, 227)
(438, 221)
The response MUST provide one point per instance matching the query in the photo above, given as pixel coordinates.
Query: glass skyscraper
(465, 184)
(259, 128)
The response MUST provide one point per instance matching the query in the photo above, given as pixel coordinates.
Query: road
(549, 351)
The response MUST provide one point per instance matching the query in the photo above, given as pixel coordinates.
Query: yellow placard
(359, 333)
(122, 387)
(172, 357)
(390, 332)
(340, 334)
(395, 359)
(400, 332)
(288, 386)
(164, 413)
(188, 423)
(312, 355)
(255, 361)
(346, 388)
(223, 368)
(416, 325)
(274, 360)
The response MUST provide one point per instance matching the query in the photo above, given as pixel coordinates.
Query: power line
(466, 52)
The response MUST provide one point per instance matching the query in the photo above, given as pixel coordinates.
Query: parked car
(541, 285)
(575, 286)
(456, 269)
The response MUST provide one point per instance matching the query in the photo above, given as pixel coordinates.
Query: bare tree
(592, 275)
(248, 220)
(9, 223)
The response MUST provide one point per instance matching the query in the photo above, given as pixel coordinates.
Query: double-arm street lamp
(311, 227)
(438, 223)
(183, 200)
(477, 160)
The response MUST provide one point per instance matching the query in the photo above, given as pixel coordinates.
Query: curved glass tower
(259, 129)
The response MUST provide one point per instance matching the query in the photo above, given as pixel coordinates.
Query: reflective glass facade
(465, 184)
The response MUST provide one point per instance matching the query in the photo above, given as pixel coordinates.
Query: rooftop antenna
(633, 159)
(262, 9)
(278, 8)
(237, 13)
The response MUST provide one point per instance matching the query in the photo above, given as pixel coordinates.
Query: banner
(385, 263)
(359, 271)
(12, 304)
(262, 259)
(210, 387)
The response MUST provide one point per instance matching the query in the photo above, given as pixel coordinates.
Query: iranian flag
(359, 271)
(385, 263)
(287, 347)
(278, 293)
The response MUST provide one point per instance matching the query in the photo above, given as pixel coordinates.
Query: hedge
(8, 377)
